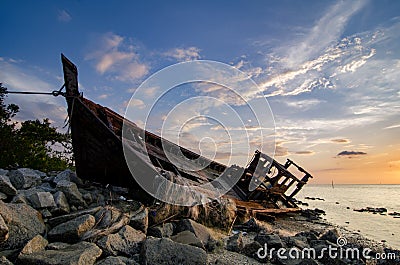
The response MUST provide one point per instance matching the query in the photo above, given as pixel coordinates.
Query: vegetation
(33, 143)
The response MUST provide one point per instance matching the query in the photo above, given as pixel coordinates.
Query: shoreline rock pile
(57, 218)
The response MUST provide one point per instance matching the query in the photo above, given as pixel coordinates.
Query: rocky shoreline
(57, 218)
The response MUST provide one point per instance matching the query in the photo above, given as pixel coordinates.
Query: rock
(235, 243)
(116, 261)
(251, 225)
(165, 230)
(6, 187)
(3, 172)
(45, 213)
(47, 187)
(300, 242)
(5, 261)
(61, 203)
(40, 173)
(41, 200)
(23, 223)
(67, 217)
(331, 235)
(107, 216)
(64, 175)
(310, 235)
(199, 230)
(140, 220)
(57, 245)
(3, 196)
(83, 253)
(87, 197)
(272, 240)
(19, 198)
(3, 230)
(10, 254)
(250, 250)
(187, 237)
(24, 178)
(164, 251)
(72, 230)
(71, 192)
(127, 241)
(68, 175)
(38, 243)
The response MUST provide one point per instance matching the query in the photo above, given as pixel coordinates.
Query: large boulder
(41, 200)
(24, 178)
(72, 230)
(71, 192)
(199, 230)
(83, 253)
(6, 187)
(187, 237)
(23, 223)
(164, 251)
(126, 242)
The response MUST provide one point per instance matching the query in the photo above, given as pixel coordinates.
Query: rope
(54, 93)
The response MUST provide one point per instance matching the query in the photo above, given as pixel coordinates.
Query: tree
(35, 144)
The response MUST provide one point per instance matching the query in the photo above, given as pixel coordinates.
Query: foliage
(33, 143)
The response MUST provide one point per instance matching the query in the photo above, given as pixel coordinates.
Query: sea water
(340, 201)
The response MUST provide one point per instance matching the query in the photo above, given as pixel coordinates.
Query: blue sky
(330, 70)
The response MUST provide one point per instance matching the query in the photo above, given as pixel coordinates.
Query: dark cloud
(304, 152)
(340, 141)
(351, 153)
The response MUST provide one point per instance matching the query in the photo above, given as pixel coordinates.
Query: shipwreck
(97, 142)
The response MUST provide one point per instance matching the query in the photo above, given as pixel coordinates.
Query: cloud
(103, 96)
(326, 31)
(351, 153)
(64, 16)
(116, 58)
(19, 76)
(184, 54)
(303, 104)
(135, 103)
(392, 127)
(304, 152)
(341, 141)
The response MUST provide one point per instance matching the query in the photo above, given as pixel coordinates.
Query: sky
(326, 72)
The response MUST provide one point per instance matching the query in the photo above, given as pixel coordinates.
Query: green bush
(34, 144)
